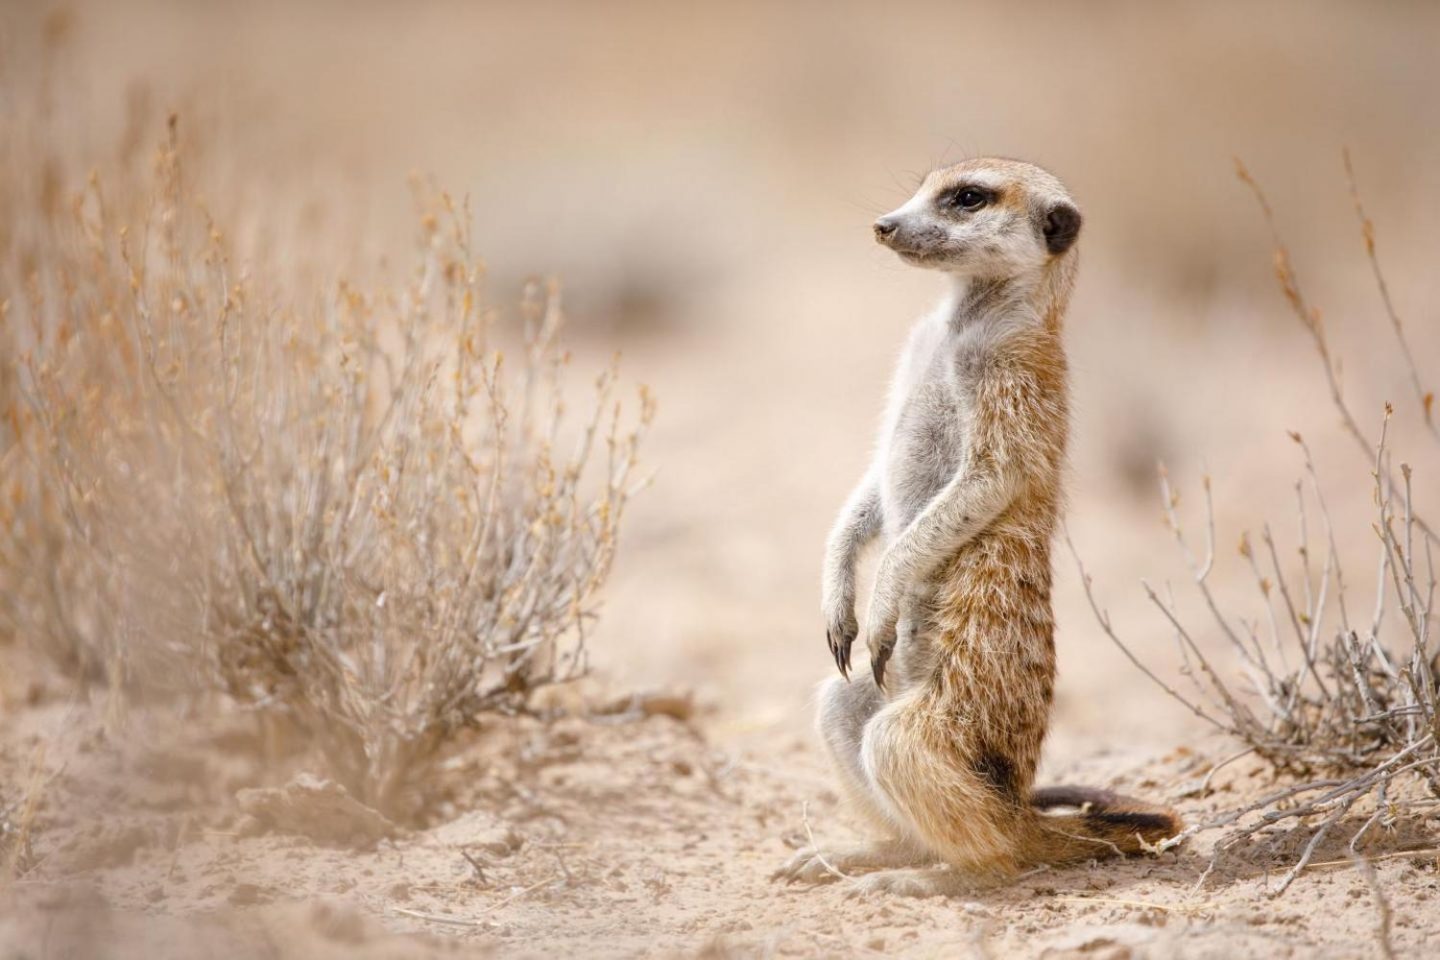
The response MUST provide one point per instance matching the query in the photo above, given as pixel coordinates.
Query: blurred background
(702, 180)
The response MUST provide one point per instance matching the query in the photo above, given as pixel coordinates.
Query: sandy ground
(613, 835)
(704, 187)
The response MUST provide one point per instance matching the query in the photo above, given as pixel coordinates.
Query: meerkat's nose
(885, 228)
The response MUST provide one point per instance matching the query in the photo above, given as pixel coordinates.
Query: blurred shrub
(351, 509)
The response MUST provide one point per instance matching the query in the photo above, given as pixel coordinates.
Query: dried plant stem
(1382, 908)
(477, 921)
(810, 835)
(1313, 322)
(1425, 398)
(18, 820)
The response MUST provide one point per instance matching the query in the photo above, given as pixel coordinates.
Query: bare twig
(1311, 319)
(477, 920)
(1425, 398)
(18, 819)
(1104, 620)
(810, 835)
(1382, 907)
(1393, 855)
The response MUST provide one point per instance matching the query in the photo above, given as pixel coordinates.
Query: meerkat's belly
(924, 451)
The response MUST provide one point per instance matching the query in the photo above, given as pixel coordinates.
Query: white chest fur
(927, 418)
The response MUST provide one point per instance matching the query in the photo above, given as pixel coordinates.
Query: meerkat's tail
(1104, 824)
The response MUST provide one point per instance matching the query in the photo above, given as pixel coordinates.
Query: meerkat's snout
(910, 233)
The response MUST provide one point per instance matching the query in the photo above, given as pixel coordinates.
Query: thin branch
(1424, 397)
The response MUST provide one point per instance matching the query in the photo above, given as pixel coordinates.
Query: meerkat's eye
(970, 198)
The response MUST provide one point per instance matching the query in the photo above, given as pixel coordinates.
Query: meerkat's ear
(1060, 227)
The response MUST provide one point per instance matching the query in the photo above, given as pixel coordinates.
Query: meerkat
(939, 748)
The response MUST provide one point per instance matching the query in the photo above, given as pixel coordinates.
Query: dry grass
(348, 508)
(17, 821)
(1344, 703)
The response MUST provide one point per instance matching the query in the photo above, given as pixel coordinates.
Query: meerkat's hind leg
(929, 881)
(844, 709)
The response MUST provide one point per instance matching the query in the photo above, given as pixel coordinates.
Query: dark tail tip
(1154, 822)
(1104, 808)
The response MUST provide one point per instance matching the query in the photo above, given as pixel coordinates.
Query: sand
(607, 835)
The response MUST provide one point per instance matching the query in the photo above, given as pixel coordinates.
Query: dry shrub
(1340, 698)
(348, 508)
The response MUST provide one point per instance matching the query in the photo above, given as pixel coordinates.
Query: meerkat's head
(984, 218)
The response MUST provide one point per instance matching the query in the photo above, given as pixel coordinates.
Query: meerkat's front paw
(840, 633)
(880, 636)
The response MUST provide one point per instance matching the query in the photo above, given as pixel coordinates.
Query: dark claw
(877, 665)
(840, 640)
(841, 652)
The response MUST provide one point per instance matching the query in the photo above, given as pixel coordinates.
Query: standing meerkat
(939, 749)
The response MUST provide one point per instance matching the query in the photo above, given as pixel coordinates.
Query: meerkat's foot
(816, 865)
(880, 638)
(883, 643)
(918, 882)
